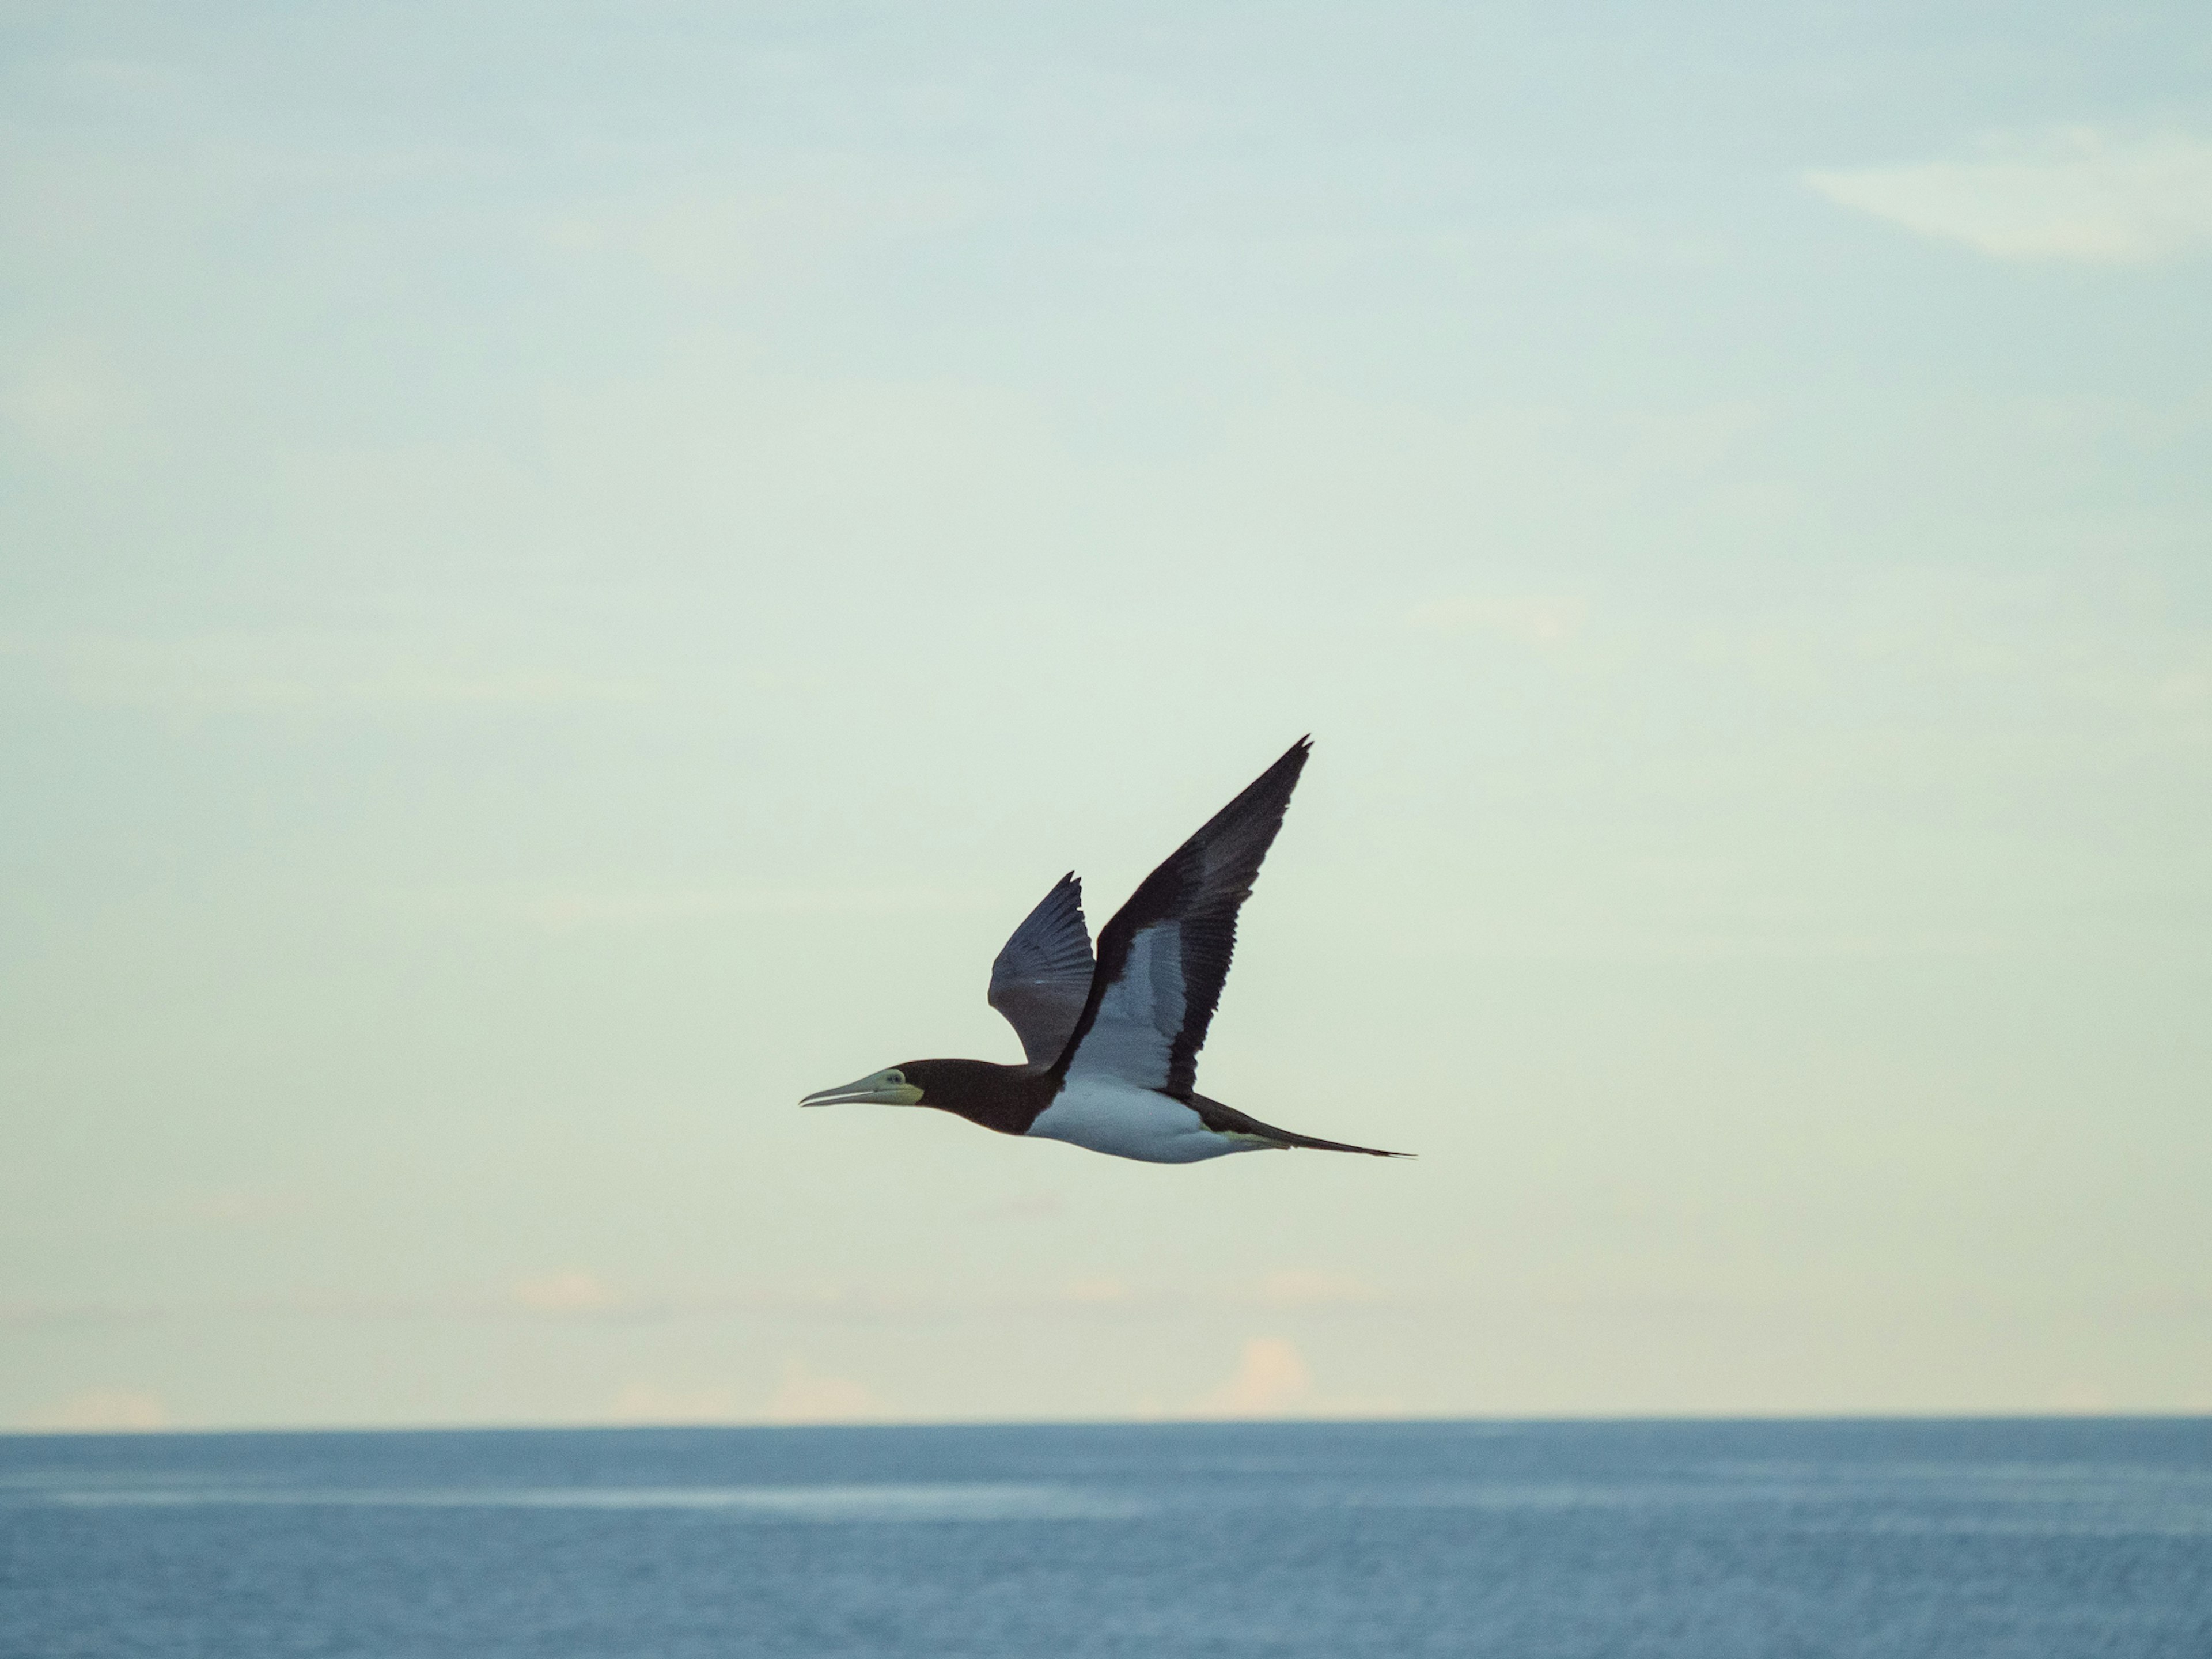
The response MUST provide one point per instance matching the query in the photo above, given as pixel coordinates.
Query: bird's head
(899, 1086)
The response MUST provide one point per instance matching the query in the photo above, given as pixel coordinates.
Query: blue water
(1706, 1541)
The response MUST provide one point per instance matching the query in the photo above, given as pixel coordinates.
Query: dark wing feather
(1163, 957)
(1042, 976)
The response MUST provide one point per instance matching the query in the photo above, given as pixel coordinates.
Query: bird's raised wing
(1042, 976)
(1162, 959)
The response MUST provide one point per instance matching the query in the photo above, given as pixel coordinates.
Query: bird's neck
(1006, 1099)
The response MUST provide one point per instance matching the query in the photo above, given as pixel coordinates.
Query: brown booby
(1113, 1045)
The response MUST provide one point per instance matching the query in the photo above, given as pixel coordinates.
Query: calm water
(1954, 1540)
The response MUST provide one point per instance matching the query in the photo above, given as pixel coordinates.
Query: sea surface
(2031, 1540)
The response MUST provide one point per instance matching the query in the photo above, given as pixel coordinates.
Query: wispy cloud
(810, 1396)
(2075, 193)
(102, 1410)
(1105, 1291)
(1314, 1290)
(804, 1395)
(581, 1294)
(1271, 1380)
(652, 1402)
(567, 1292)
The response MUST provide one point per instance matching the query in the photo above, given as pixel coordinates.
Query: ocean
(1878, 1539)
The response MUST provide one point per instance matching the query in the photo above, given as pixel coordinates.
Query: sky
(569, 571)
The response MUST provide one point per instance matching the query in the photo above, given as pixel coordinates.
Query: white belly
(1120, 1118)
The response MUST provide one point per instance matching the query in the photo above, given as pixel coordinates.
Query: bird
(1111, 1043)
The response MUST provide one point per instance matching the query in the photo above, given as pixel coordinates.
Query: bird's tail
(1228, 1120)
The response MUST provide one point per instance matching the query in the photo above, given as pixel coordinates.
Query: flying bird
(1113, 1044)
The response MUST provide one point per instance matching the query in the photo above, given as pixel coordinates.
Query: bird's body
(1127, 1121)
(1113, 1044)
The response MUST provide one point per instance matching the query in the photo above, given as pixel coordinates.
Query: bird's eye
(894, 1077)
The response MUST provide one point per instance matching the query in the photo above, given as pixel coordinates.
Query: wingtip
(1291, 761)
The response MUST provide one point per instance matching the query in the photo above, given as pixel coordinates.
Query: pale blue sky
(570, 571)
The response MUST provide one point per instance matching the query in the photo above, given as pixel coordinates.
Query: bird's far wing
(1042, 978)
(1162, 959)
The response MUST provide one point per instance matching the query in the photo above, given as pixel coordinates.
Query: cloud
(2075, 193)
(647, 1402)
(2080, 1399)
(1097, 1292)
(566, 1292)
(807, 1396)
(103, 1410)
(1309, 1289)
(580, 1294)
(1271, 1380)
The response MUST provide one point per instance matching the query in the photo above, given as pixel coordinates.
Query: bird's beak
(877, 1090)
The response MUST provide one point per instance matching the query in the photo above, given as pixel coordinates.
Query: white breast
(1109, 1115)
